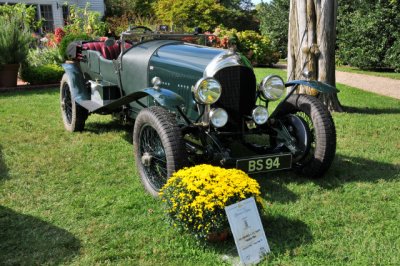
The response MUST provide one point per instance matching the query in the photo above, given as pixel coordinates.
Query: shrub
(42, 66)
(14, 40)
(195, 197)
(44, 74)
(255, 47)
(393, 56)
(82, 20)
(68, 38)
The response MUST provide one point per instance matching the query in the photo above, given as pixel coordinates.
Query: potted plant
(14, 45)
(196, 197)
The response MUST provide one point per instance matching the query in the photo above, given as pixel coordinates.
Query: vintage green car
(192, 104)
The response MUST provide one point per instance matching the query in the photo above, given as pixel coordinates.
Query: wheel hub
(146, 159)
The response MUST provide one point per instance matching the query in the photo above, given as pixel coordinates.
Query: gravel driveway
(379, 85)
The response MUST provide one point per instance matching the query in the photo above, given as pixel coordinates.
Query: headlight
(218, 117)
(272, 87)
(260, 115)
(207, 91)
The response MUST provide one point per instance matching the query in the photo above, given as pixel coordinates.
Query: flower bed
(195, 197)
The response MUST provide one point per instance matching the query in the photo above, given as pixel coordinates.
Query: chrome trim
(225, 59)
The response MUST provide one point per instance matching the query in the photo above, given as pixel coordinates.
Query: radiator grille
(238, 93)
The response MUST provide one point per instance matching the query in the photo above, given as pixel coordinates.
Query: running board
(94, 107)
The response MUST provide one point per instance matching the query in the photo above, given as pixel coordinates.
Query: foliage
(119, 8)
(82, 20)
(14, 40)
(367, 33)
(70, 37)
(392, 57)
(196, 197)
(255, 47)
(42, 74)
(42, 66)
(26, 14)
(117, 25)
(76, 198)
(274, 23)
(184, 15)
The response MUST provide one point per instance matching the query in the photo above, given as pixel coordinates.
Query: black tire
(73, 115)
(158, 147)
(322, 150)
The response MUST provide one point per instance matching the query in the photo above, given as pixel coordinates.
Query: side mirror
(109, 42)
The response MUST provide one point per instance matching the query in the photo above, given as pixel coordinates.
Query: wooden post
(311, 45)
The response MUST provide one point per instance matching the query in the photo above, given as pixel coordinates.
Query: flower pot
(218, 236)
(8, 75)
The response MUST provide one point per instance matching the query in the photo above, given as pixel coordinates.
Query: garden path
(380, 85)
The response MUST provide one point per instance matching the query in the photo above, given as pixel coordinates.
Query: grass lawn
(76, 198)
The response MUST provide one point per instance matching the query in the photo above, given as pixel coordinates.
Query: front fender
(319, 86)
(165, 97)
(76, 82)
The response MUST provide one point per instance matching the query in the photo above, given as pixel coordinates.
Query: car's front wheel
(158, 147)
(73, 115)
(316, 134)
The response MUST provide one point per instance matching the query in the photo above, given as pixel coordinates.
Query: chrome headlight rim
(255, 116)
(270, 91)
(218, 111)
(201, 96)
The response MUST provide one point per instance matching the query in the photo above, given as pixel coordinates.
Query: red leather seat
(108, 52)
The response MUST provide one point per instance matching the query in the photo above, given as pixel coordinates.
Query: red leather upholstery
(111, 52)
(108, 52)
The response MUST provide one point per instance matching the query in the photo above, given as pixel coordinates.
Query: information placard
(247, 230)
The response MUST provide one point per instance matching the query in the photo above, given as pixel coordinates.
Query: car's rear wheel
(74, 116)
(158, 147)
(318, 141)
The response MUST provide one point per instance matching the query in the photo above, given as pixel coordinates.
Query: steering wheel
(142, 27)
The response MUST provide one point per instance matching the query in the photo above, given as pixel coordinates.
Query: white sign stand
(247, 230)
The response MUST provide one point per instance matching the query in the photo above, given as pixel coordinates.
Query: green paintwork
(180, 66)
(76, 82)
(319, 86)
(163, 97)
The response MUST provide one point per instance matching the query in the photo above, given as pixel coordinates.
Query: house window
(65, 14)
(46, 12)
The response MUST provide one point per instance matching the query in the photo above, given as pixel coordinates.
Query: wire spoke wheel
(322, 143)
(74, 116)
(150, 145)
(158, 147)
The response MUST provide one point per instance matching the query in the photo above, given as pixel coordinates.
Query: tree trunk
(311, 46)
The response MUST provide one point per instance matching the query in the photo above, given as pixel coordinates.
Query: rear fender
(319, 86)
(76, 82)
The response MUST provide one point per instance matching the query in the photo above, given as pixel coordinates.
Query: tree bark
(311, 46)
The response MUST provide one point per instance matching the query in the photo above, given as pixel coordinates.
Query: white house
(55, 12)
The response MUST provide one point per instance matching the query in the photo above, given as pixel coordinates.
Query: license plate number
(265, 163)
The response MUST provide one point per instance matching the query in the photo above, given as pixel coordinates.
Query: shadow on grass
(371, 111)
(284, 236)
(102, 128)
(26, 240)
(352, 169)
(3, 167)
(344, 169)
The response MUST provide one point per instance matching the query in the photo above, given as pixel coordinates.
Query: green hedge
(44, 74)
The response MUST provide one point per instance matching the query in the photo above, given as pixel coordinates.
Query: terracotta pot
(218, 237)
(8, 75)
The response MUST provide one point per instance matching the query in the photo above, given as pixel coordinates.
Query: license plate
(265, 163)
